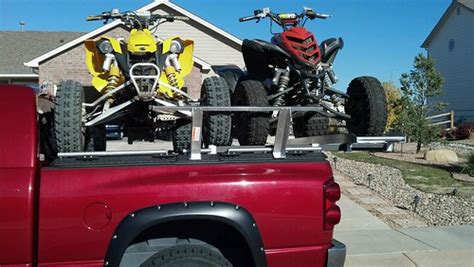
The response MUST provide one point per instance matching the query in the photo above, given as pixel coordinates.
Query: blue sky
(381, 36)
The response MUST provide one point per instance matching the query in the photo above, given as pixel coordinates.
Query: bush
(460, 133)
(469, 168)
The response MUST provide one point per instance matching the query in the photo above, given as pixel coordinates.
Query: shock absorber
(113, 79)
(282, 76)
(171, 75)
(171, 67)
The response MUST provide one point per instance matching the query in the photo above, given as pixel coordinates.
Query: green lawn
(425, 178)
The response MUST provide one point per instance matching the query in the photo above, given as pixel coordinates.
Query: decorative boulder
(441, 156)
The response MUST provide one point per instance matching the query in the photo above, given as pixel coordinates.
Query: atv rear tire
(182, 135)
(310, 125)
(217, 127)
(367, 106)
(70, 131)
(96, 138)
(251, 128)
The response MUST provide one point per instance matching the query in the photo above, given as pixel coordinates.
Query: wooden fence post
(452, 119)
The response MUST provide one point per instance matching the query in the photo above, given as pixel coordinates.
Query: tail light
(332, 213)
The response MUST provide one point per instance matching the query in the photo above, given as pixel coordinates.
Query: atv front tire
(70, 133)
(217, 127)
(69, 129)
(251, 128)
(367, 106)
(310, 124)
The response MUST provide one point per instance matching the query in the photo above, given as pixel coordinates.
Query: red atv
(293, 70)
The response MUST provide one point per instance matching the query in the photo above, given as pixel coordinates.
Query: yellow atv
(130, 78)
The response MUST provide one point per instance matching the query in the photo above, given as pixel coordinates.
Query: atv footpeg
(145, 84)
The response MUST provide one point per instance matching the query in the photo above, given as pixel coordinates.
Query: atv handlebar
(278, 18)
(91, 18)
(133, 17)
(248, 18)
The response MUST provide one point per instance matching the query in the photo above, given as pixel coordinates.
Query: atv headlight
(105, 47)
(176, 46)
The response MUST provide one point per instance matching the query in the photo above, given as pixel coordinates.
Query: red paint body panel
(302, 44)
(18, 163)
(74, 212)
(279, 196)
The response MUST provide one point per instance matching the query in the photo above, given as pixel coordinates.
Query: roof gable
(152, 6)
(468, 4)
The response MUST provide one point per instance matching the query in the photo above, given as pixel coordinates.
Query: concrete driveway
(371, 242)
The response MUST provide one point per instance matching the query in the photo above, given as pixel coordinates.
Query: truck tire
(251, 128)
(310, 125)
(182, 135)
(187, 255)
(367, 106)
(217, 127)
(69, 129)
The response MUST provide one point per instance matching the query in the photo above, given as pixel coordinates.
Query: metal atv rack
(282, 143)
(281, 146)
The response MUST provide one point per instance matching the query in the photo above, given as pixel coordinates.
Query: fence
(435, 119)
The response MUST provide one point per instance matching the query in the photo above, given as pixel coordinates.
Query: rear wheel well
(228, 240)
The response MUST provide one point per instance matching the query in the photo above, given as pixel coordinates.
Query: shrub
(469, 168)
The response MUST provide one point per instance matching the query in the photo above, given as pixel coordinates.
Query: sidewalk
(371, 242)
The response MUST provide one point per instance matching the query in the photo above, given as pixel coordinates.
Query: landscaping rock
(434, 209)
(441, 156)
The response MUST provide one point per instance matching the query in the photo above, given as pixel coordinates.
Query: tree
(418, 87)
(393, 95)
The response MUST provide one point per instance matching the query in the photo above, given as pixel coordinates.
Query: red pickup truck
(245, 209)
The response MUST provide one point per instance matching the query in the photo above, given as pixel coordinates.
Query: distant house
(18, 47)
(213, 46)
(451, 44)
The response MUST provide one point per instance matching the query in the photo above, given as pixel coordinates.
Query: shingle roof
(469, 4)
(34, 63)
(17, 47)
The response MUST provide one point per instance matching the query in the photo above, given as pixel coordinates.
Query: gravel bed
(437, 210)
(460, 149)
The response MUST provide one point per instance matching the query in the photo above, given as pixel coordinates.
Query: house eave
(19, 75)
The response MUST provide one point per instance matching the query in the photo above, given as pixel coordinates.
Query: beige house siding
(208, 45)
(456, 64)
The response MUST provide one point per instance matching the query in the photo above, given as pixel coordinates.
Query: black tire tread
(310, 125)
(67, 117)
(176, 255)
(216, 127)
(252, 128)
(374, 116)
(182, 136)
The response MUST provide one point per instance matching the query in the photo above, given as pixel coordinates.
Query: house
(213, 46)
(451, 44)
(18, 47)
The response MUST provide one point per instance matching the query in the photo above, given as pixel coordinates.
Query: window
(451, 45)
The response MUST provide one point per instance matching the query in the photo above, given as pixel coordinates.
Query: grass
(425, 178)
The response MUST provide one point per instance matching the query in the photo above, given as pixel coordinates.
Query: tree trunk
(418, 147)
